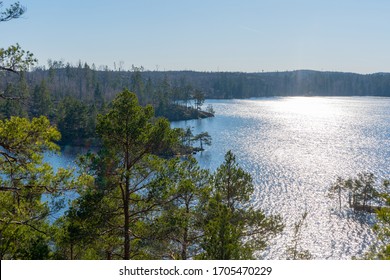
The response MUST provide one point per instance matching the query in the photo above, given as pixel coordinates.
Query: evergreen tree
(361, 192)
(233, 228)
(199, 98)
(381, 250)
(180, 226)
(137, 85)
(41, 104)
(73, 121)
(204, 139)
(24, 179)
(11, 102)
(125, 169)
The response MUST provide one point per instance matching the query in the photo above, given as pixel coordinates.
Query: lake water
(294, 148)
(66, 159)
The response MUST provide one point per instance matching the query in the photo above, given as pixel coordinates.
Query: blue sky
(213, 35)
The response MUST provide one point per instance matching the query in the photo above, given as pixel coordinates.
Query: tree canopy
(12, 12)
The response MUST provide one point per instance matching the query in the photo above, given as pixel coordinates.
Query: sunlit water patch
(295, 148)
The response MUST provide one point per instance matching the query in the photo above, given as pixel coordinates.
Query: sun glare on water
(310, 107)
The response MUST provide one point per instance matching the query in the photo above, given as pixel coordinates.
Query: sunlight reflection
(313, 106)
(295, 147)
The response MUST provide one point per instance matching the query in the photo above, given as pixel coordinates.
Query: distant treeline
(291, 83)
(160, 88)
(71, 96)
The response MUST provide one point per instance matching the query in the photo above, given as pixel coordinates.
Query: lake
(295, 148)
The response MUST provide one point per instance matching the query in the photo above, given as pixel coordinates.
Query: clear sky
(208, 35)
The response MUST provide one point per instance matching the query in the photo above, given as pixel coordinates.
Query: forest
(72, 96)
(140, 193)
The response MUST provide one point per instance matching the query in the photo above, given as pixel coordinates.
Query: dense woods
(72, 96)
(88, 82)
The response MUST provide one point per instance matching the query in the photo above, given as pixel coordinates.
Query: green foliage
(233, 184)
(361, 191)
(365, 195)
(128, 187)
(29, 241)
(86, 232)
(98, 95)
(199, 98)
(381, 250)
(185, 145)
(10, 98)
(137, 85)
(130, 126)
(163, 94)
(223, 233)
(14, 11)
(180, 225)
(364, 191)
(22, 138)
(41, 104)
(76, 121)
(204, 138)
(382, 229)
(36, 248)
(187, 136)
(14, 59)
(96, 221)
(233, 228)
(338, 188)
(24, 179)
(30, 190)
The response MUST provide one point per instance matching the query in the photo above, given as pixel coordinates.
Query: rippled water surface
(295, 147)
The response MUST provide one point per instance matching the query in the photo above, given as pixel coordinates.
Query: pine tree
(233, 228)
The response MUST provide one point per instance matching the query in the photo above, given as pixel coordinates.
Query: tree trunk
(184, 245)
(339, 198)
(71, 251)
(127, 201)
(126, 227)
(109, 255)
(185, 234)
